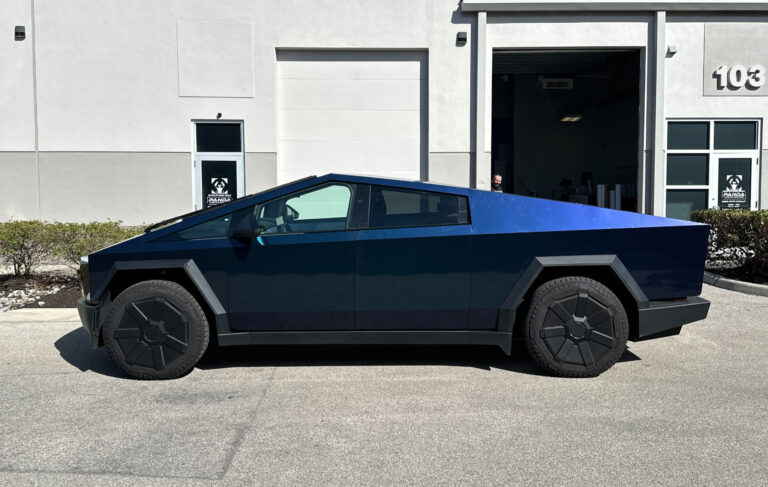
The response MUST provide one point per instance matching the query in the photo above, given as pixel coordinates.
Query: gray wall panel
(18, 186)
(133, 187)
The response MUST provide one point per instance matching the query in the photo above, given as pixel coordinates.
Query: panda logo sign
(733, 194)
(734, 182)
(218, 192)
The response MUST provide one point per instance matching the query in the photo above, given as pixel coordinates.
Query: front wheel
(156, 330)
(576, 327)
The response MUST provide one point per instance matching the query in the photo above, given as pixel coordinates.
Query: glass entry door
(219, 162)
(736, 182)
(220, 179)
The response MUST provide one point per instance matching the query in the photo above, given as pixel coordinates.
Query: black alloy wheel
(156, 330)
(576, 327)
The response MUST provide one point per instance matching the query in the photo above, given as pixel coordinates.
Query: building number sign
(737, 76)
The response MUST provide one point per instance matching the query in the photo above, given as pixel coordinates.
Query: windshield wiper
(191, 214)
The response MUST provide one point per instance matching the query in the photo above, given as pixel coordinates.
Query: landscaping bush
(24, 245)
(739, 241)
(74, 240)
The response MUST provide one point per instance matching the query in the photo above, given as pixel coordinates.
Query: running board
(459, 337)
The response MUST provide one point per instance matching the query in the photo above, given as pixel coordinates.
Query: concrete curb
(40, 314)
(734, 285)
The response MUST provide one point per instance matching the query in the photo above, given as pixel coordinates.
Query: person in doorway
(496, 184)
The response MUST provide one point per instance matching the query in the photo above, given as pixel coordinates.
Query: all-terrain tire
(576, 327)
(156, 330)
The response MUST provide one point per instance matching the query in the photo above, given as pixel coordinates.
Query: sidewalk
(40, 314)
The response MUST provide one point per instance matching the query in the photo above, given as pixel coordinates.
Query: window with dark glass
(687, 169)
(681, 202)
(218, 137)
(688, 135)
(216, 228)
(392, 208)
(735, 135)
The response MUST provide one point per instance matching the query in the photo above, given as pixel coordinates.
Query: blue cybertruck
(356, 260)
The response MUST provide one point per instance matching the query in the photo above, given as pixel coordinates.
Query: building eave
(613, 6)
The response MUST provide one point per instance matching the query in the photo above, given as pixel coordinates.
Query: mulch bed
(66, 296)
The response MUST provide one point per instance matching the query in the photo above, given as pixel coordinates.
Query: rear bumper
(666, 317)
(89, 317)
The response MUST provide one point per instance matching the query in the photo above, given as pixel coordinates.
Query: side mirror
(290, 213)
(246, 234)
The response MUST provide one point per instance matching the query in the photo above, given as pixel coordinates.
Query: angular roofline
(398, 183)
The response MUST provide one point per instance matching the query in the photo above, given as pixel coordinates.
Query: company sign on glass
(219, 182)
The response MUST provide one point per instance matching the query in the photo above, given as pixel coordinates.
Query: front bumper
(662, 318)
(89, 317)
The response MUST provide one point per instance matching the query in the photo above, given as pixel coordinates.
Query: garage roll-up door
(358, 112)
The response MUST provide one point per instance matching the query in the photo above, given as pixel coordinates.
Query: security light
(19, 33)
(571, 118)
(461, 38)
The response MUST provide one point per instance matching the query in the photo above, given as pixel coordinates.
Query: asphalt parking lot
(691, 409)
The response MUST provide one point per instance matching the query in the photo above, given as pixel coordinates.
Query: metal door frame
(198, 157)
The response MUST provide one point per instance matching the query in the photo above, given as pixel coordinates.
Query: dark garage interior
(566, 125)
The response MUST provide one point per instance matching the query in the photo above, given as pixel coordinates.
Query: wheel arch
(184, 272)
(606, 269)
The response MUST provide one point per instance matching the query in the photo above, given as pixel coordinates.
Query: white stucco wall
(17, 123)
(108, 78)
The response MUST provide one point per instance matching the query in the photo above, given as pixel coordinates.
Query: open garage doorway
(566, 125)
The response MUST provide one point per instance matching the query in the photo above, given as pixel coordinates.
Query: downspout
(659, 155)
(482, 169)
(34, 108)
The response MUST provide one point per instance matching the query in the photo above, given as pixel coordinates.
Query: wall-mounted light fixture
(19, 33)
(461, 38)
(571, 118)
(218, 116)
(671, 50)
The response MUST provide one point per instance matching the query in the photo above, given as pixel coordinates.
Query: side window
(321, 209)
(392, 207)
(216, 228)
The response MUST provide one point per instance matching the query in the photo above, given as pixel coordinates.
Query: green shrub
(24, 245)
(738, 238)
(74, 240)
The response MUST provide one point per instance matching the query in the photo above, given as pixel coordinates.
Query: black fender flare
(508, 309)
(191, 270)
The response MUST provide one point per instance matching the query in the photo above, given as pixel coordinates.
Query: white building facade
(138, 110)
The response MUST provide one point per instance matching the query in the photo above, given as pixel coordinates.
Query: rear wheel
(156, 330)
(576, 327)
